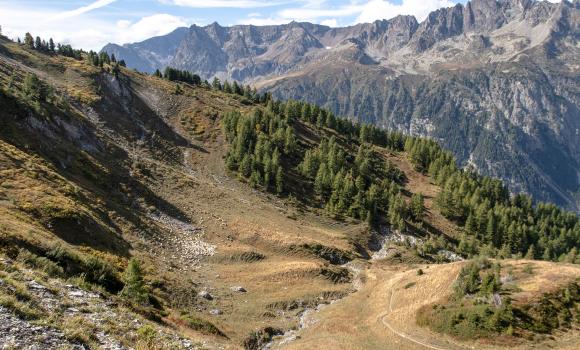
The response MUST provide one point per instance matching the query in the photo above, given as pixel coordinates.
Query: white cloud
(222, 3)
(148, 27)
(331, 22)
(84, 9)
(257, 21)
(320, 11)
(314, 14)
(84, 31)
(382, 9)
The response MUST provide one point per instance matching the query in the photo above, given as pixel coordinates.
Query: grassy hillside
(210, 215)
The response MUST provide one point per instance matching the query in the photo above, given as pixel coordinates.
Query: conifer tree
(246, 166)
(38, 44)
(216, 84)
(35, 88)
(279, 180)
(531, 254)
(417, 206)
(29, 40)
(227, 87)
(289, 140)
(134, 284)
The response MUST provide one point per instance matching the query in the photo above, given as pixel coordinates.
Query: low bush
(202, 325)
(40, 263)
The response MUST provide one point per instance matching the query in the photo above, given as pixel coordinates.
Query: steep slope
(504, 70)
(110, 168)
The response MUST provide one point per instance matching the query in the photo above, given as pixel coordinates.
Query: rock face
(496, 81)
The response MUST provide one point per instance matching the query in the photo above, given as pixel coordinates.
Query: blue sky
(90, 24)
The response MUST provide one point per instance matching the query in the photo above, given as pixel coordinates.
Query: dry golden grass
(545, 277)
(382, 314)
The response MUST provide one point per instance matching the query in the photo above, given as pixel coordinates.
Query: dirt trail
(434, 344)
(381, 315)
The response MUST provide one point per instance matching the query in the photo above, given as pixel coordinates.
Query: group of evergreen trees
(50, 47)
(259, 141)
(236, 88)
(359, 186)
(346, 180)
(494, 222)
(100, 59)
(184, 76)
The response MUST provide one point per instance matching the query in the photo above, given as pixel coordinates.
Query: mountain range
(496, 82)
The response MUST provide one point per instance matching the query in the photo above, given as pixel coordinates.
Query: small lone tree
(35, 88)
(134, 284)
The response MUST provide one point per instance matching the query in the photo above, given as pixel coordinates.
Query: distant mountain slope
(494, 81)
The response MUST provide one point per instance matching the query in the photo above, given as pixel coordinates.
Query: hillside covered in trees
(340, 166)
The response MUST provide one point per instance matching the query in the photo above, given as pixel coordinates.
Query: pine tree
(470, 226)
(34, 88)
(134, 284)
(51, 45)
(322, 180)
(38, 43)
(417, 207)
(548, 254)
(216, 84)
(572, 256)
(227, 87)
(116, 70)
(279, 181)
(255, 178)
(289, 140)
(491, 229)
(29, 40)
(306, 113)
(531, 254)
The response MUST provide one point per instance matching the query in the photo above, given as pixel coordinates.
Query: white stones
(183, 239)
(215, 312)
(239, 289)
(205, 294)
(36, 285)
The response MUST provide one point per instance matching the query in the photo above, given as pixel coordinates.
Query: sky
(90, 24)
